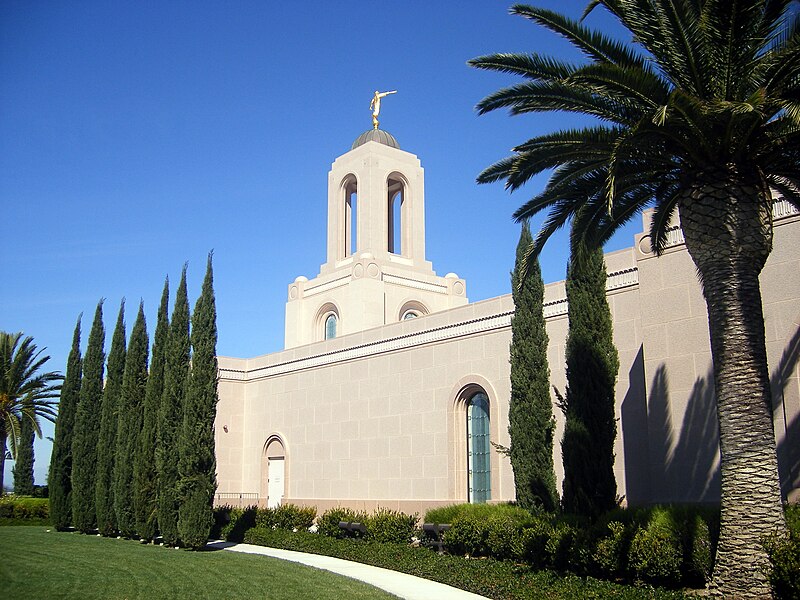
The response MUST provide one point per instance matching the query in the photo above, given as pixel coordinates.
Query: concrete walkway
(399, 584)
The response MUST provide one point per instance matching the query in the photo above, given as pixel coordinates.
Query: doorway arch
(273, 471)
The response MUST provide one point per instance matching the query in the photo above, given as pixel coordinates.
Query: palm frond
(736, 35)
(777, 66)
(669, 30)
(634, 87)
(593, 44)
(788, 188)
(497, 171)
(660, 225)
(561, 96)
(531, 66)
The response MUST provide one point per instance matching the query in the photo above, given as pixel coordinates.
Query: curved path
(399, 584)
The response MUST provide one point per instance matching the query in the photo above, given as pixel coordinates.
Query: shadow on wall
(787, 417)
(689, 454)
(664, 463)
(634, 431)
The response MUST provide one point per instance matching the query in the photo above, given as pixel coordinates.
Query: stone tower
(376, 272)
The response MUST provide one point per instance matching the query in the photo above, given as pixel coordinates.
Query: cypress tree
(60, 480)
(170, 414)
(107, 443)
(23, 465)
(130, 423)
(592, 364)
(530, 413)
(197, 464)
(144, 469)
(87, 428)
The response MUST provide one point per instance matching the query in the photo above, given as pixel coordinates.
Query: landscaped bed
(504, 552)
(501, 580)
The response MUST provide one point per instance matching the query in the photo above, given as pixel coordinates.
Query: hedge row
(663, 546)
(231, 523)
(666, 546)
(501, 580)
(19, 510)
(382, 526)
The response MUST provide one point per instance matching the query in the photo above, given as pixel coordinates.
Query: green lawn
(37, 564)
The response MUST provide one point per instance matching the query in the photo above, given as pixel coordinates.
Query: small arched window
(478, 448)
(330, 326)
(411, 310)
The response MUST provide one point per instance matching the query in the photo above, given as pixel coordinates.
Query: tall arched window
(330, 326)
(396, 211)
(478, 448)
(350, 220)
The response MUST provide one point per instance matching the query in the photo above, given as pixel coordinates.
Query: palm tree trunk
(2, 455)
(727, 224)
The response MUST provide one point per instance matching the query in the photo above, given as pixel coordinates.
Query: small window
(411, 310)
(330, 327)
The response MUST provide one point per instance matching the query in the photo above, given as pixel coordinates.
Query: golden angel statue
(375, 105)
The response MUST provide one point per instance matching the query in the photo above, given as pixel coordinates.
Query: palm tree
(699, 115)
(24, 393)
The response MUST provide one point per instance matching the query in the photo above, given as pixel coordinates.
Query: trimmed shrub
(784, 556)
(559, 546)
(611, 552)
(792, 512)
(386, 525)
(286, 516)
(24, 508)
(445, 514)
(448, 514)
(328, 522)
(504, 539)
(222, 516)
(468, 536)
(239, 521)
(698, 550)
(533, 539)
(656, 555)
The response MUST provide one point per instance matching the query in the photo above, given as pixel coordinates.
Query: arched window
(411, 310)
(396, 211)
(330, 326)
(326, 322)
(478, 448)
(350, 221)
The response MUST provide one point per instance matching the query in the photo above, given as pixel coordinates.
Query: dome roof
(376, 135)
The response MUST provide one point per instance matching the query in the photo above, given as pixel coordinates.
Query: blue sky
(137, 136)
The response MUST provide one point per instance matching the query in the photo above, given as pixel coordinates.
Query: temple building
(392, 386)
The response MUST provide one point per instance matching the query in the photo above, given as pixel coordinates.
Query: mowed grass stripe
(36, 564)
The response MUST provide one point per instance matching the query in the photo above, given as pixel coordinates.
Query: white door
(274, 482)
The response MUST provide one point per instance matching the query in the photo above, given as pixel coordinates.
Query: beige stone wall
(375, 417)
